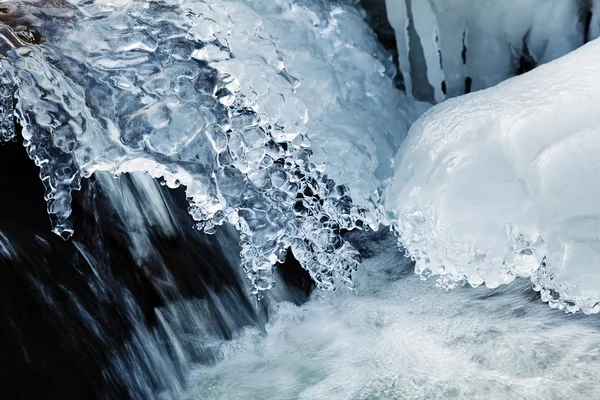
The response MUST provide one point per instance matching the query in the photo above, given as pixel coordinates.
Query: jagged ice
(276, 118)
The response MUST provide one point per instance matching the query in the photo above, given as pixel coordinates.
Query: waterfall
(229, 199)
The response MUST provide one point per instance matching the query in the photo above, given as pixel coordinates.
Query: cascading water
(276, 130)
(201, 97)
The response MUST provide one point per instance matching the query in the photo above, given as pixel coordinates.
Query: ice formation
(450, 47)
(277, 116)
(505, 182)
(281, 118)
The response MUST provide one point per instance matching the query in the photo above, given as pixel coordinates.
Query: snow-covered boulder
(505, 182)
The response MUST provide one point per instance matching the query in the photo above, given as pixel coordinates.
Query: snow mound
(505, 182)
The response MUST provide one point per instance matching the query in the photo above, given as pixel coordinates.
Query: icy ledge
(279, 117)
(505, 183)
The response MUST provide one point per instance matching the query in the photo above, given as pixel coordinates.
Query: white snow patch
(491, 185)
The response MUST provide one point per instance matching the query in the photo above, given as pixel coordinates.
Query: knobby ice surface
(278, 119)
(282, 119)
(505, 183)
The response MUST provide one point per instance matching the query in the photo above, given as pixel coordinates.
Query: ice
(505, 183)
(7, 128)
(451, 47)
(279, 117)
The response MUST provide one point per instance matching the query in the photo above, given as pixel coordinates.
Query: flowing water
(399, 337)
(207, 167)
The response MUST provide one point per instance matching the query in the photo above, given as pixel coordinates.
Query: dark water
(78, 318)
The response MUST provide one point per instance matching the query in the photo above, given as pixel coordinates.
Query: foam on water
(397, 337)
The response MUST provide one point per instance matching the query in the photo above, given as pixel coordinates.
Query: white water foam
(397, 337)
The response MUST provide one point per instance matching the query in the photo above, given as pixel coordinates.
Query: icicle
(432, 36)
(427, 29)
(452, 33)
(556, 30)
(594, 20)
(398, 18)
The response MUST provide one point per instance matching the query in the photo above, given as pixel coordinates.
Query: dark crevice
(421, 88)
(585, 18)
(526, 62)
(439, 52)
(463, 53)
(586, 31)
(376, 18)
(468, 83)
(296, 278)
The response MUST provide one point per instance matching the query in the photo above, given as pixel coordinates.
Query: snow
(491, 185)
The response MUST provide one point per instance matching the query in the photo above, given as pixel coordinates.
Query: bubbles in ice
(244, 104)
(7, 128)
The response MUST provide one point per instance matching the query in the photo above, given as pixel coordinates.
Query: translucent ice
(506, 182)
(278, 116)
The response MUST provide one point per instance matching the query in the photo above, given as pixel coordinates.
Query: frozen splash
(263, 110)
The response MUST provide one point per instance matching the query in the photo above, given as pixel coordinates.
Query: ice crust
(442, 43)
(280, 117)
(505, 182)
